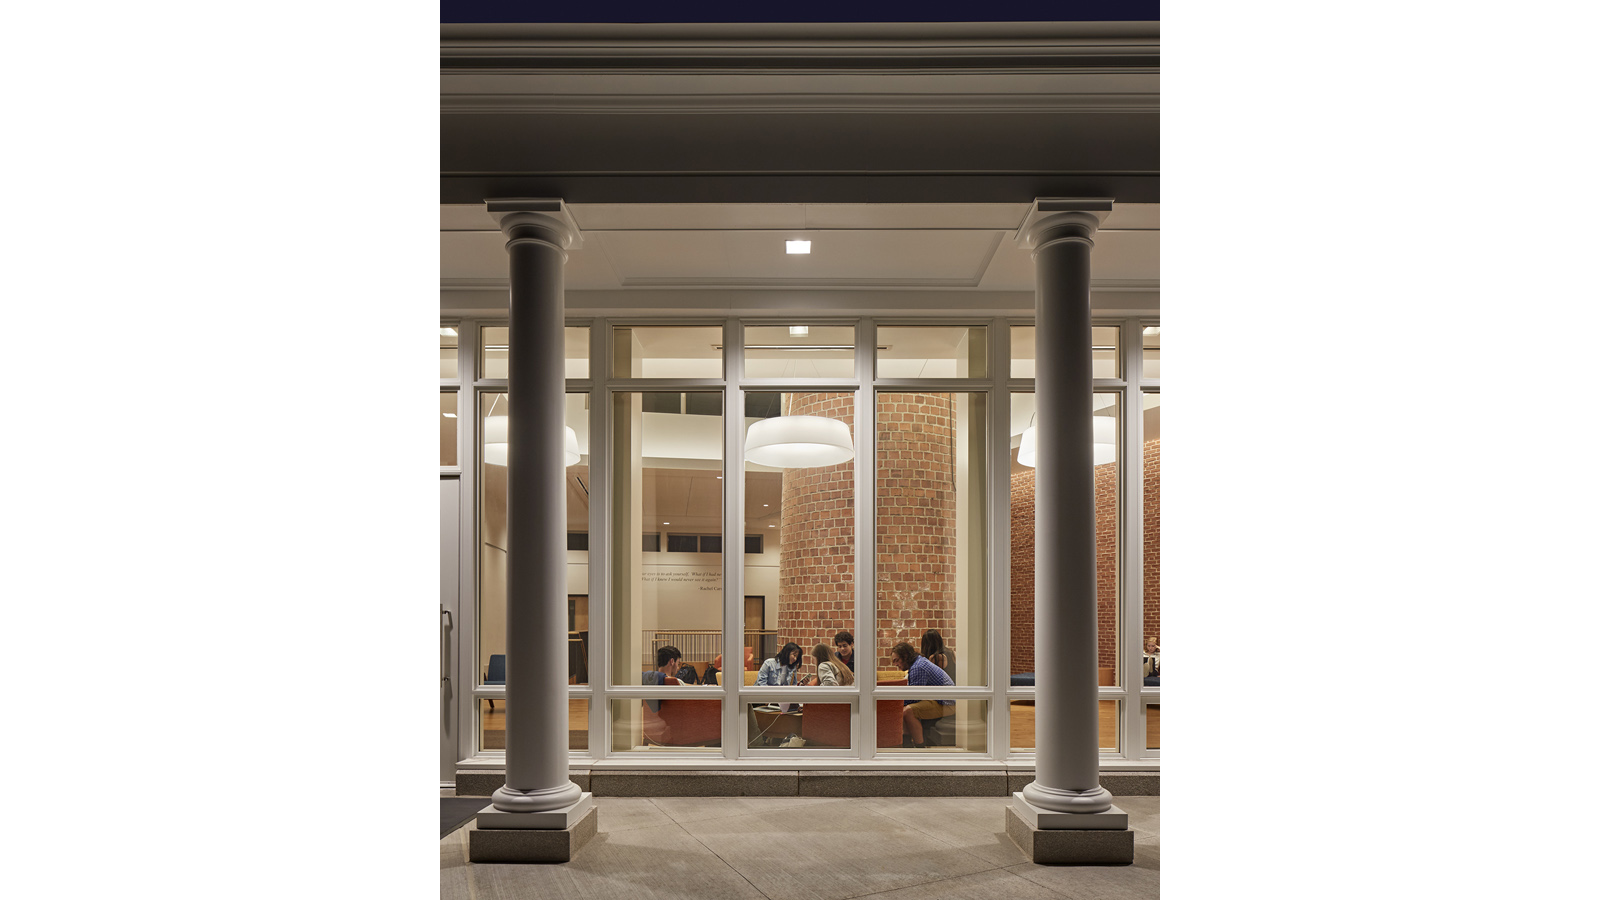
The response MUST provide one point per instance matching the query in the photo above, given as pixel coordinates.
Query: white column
(538, 233)
(1067, 780)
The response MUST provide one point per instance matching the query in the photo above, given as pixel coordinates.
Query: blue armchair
(496, 673)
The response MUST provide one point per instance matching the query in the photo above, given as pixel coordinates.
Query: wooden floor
(494, 725)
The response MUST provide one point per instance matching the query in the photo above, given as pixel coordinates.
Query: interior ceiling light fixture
(799, 330)
(798, 442)
(496, 430)
(797, 247)
(1152, 330)
(1105, 443)
(451, 332)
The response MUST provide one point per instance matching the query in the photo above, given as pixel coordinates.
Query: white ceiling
(940, 247)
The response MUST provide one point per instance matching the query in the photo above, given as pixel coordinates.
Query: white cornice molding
(731, 284)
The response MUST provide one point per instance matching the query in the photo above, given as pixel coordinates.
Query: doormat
(455, 812)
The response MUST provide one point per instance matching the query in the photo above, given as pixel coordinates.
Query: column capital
(546, 219)
(1067, 217)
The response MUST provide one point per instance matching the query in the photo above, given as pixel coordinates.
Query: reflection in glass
(495, 346)
(801, 588)
(496, 407)
(930, 529)
(1107, 505)
(667, 485)
(933, 351)
(1152, 726)
(1104, 352)
(667, 351)
(1152, 538)
(577, 339)
(799, 351)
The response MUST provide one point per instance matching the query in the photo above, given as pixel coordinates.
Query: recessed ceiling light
(797, 246)
(666, 523)
(447, 332)
(1152, 329)
(799, 330)
(449, 415)
(766, 504)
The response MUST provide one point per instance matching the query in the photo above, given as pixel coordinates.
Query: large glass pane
(1152, 351)
(495, 341)
(495, 408)
(578, 351)
(667, 351)
(447, 428)
(688, 723)
(933, 351)
(1103, 352)
(1152, 726)
(961, 726)
(1152, 539)
(667, 480)
(799, 351)
(1107, 504)
(1023, 721)
(793, 726)
(492, 724)
(930, 538)
(799, 478)
(447, 352)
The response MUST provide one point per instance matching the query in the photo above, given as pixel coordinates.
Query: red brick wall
(916, 508)
(1022, 558)
(816, 556)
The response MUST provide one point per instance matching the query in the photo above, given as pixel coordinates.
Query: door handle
(444, 643)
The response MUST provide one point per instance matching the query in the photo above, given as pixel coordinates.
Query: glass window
(1107, 505)
(578, 351)
(1152, 351)
(667, 351)
(791, 726)
(667, 480)
(447, 428)
(496, 406)
(1023, 719)
(1022, 351)
(1152, 726)
(447, 352)
(497, 346)
(682, 722)
(1104, 351)
(1152, 539)
(492, 724)
(800, 351)
(933, 351)
(930, 531)
(799, 480)
(960, 726)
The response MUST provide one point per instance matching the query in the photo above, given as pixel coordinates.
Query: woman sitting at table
(831, 672)
(782, 669)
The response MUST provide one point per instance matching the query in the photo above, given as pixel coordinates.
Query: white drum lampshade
(496, 432)
(795, 442)
(1105, 443)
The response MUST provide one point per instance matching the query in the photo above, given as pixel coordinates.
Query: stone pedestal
(547, 836)
(531, 845)
(1084, 839)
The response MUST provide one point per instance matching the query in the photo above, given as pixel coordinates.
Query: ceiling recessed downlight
(799, 330)
(797, 246)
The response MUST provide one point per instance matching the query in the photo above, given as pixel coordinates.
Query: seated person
(1152, 662)
(712, 671)
(668, 659)
(919, 671)
(783, 668)
(935, 651)
(844, 649)
(831, 672)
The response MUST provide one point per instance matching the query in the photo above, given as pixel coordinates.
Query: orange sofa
(683, 722)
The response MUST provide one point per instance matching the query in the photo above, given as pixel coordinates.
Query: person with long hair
(782, 668)
(933, 647)
(831, 672)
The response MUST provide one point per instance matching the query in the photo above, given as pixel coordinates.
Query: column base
(1070, 838)
(553, 836)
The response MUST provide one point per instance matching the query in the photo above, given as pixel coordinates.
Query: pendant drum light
(1105, 443)
(496, 431)
(795, 442)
